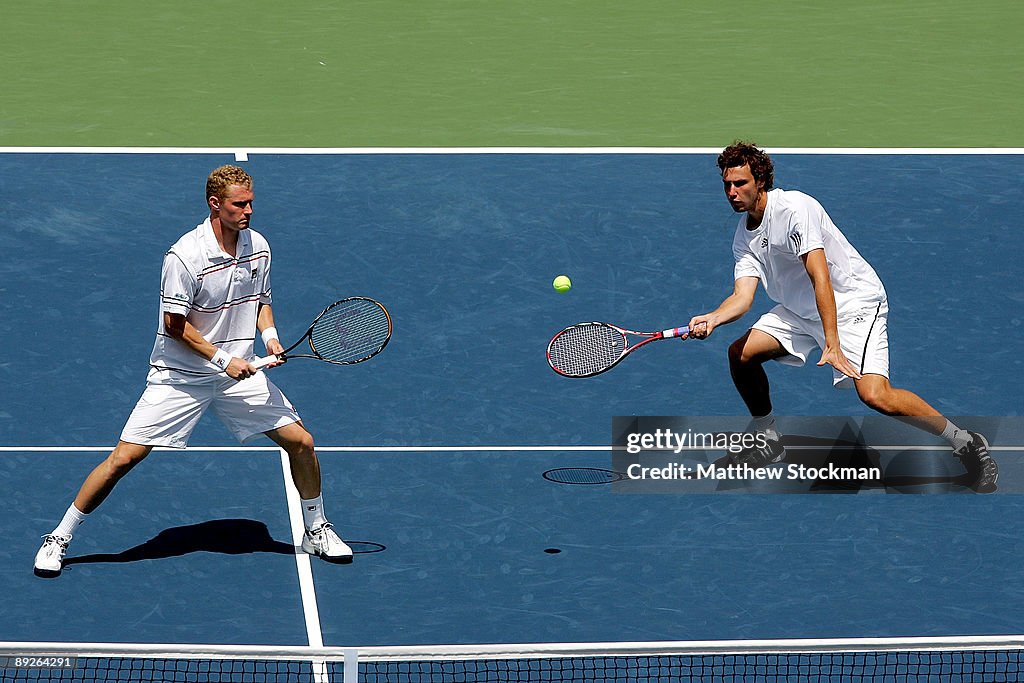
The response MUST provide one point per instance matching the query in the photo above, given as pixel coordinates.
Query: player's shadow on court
(908, 472)
(225, 536)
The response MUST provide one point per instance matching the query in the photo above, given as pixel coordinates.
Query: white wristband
(221, 359)
(268, 334)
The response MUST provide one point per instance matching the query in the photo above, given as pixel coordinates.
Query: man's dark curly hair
(742, 153)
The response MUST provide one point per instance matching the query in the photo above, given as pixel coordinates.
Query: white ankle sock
(72, 519)
(313, 512)
(766, 425)
(957, 438)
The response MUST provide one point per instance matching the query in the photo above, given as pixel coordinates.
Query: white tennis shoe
(326, 543)
(50, 558)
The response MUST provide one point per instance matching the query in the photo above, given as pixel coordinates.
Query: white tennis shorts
(863, 336)
(167, 413)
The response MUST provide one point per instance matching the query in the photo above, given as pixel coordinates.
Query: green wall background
(457, 73)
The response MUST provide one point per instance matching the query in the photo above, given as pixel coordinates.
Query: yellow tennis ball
(562, 284)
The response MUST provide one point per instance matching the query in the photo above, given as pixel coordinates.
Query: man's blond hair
(224, 177)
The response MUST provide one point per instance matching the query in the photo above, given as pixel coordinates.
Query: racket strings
(350, 331)
(586, 350)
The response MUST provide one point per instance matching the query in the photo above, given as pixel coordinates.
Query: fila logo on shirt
(241, 272)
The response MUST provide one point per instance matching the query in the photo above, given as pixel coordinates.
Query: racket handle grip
(265, 361)
(683, 331)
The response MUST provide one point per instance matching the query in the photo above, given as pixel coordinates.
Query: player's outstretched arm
(733, 308)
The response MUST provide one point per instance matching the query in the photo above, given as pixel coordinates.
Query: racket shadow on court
(225, 536)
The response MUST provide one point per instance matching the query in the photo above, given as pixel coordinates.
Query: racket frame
(682, 332)
(259, 363)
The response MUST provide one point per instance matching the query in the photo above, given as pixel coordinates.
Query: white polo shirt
(794, 224)
(218, 294)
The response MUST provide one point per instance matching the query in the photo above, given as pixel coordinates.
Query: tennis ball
(562, 284)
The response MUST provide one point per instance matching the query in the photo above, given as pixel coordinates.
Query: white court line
(320, 449)
(439, 449)
(243, 155)
(532, 650)
(307, 589)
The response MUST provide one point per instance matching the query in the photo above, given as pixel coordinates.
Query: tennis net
(988, 659)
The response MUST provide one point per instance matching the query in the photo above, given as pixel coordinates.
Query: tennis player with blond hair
(214, 297)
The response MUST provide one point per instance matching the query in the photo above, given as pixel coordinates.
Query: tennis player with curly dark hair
(829, 299)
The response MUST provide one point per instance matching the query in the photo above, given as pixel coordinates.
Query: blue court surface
(434, 452)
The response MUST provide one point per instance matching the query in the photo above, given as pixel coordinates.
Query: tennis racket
(588, 349)
(348, 331)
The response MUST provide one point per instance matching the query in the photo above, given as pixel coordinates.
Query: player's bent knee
(736, 355)
(877, 396)
(124, 458)
(741, 353)
(294, 438)
(302, 444)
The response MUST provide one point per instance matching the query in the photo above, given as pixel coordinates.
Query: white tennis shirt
(218, 294)
(794, 224)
